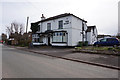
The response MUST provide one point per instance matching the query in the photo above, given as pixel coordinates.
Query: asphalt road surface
(23, 64)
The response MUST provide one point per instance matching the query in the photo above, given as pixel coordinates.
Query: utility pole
(27, 24)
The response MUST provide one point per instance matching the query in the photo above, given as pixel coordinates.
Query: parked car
(107, 42)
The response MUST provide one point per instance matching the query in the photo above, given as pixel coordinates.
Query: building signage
(66, 22)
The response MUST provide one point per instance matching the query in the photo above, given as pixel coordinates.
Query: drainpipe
(82, 32)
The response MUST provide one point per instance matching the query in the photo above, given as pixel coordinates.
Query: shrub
(81, 43)
(85, 43)
(110, 48)
(24, 43)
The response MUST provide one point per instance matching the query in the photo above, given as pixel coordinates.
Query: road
(23, 64)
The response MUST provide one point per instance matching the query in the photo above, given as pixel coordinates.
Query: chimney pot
(42, 18)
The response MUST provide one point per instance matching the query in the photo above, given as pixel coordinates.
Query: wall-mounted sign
(66, 22)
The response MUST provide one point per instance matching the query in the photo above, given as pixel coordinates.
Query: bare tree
(21, 29)
(10, 29)
(15, 28)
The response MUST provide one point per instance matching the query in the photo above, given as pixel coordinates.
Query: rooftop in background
(60, 16)
(102, 36)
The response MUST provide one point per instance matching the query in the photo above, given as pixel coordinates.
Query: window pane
(35, 40)
(56, 34)
(54, 38)
(53, 34)
(64, 39)
(48, 26)
(63, 34)
(38, 39)
(60, 24)
(41, 40)
(60, 37)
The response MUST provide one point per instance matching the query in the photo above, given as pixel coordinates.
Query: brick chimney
(42, 18)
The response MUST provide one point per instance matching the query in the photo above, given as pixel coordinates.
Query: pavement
(23, 64)
(102, 60)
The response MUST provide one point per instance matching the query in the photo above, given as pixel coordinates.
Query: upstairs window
(39, 28)
(48, 26)
(60, 24)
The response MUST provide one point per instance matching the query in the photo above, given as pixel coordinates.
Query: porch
(51, 38)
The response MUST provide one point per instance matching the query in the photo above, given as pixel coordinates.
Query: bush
(117, 48)
(85, 43)
(24, 43)
(81, 43)
(110, 48)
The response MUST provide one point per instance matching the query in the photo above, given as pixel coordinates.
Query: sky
(102, 13)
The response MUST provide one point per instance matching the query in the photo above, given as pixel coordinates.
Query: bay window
(59, 37)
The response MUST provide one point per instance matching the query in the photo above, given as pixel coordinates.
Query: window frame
(60, 36)
(60, 24)
(48, 26)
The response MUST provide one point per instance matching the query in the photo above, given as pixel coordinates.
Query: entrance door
(49, 41)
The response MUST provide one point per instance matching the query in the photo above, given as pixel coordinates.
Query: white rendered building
(91, 34)
(61, 30)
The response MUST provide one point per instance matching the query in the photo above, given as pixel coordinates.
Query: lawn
(98, 48)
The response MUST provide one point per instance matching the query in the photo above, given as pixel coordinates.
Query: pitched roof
(59, 16)
(89, 28)
(101, 36)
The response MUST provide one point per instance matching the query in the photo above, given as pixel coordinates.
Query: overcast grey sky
(102, 13)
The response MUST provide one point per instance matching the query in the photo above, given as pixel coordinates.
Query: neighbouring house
(12, 40)
(99, 37)
(61, 30)
(91, 34)
(3, 38)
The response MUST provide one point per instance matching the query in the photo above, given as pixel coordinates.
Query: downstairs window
(59, 37)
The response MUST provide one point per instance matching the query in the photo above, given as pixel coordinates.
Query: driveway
(67, 52)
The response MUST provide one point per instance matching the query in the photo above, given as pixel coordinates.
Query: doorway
(49, 41)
